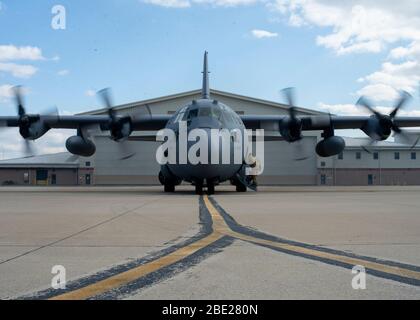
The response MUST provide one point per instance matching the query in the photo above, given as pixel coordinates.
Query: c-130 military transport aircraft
(207, 114)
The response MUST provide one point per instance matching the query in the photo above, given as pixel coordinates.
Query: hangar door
(142, 169)
(282, 169)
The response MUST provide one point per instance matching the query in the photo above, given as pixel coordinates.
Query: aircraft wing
(147, 123)
(320, 122)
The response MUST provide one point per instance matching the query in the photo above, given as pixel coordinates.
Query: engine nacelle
(378, 129)
(330, 146)
(79, 146)
(32, 130)
(291, 129)
(121, 130)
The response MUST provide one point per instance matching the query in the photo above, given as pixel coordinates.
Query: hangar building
(390, 163)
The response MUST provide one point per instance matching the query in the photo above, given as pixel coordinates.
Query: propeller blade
(142, 112)
(51, 113)
(105, 95)
(405, 97)
(367, 146)
(19, 100)
(407, 138)
(72, 158)
(364, 102)
(125, 150)
(27, 148)
(289, 95)
(299, 152)
(86, 131)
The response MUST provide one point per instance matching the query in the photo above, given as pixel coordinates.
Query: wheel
(199, 189)
(241, 188)
(169, 188)
(210, 189)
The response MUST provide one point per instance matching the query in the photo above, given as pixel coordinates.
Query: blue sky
(145, 50)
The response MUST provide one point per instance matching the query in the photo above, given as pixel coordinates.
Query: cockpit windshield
(213, 112)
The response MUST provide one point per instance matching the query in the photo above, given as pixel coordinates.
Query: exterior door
(88, 179)
(370, 179)
(42, 177)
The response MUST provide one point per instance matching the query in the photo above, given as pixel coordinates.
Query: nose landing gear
(199, 186)
(210, 188)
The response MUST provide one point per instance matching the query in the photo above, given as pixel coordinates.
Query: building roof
(358, 143)
(56, 160)
(197, 92)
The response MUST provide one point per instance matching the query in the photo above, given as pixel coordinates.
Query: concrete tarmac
(278, 243)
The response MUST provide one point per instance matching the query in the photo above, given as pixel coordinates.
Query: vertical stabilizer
(205, 92)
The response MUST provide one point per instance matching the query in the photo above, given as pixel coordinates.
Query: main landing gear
(169, 188)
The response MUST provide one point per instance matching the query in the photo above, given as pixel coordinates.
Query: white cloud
(379, 92)
(356, 25)
(259, 34)
(342, 109)
(18, 70)
(354, 110)
(367, 26)
(170, 3)
(5, 92)
(11, 52)
(90, 93)
(383, 85)
(64, 72)
(188, 3)
(12, 145)
(226, 3)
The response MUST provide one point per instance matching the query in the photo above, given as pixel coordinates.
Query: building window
(397, 156)
(413, 156)
(340, 156)
(322, 163)
(323, 179)
(358, 155)
(375, 156)
(88, 164)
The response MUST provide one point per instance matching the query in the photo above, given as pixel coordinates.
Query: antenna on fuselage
(205, 91)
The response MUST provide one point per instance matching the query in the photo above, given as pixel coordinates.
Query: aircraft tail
(205, 92)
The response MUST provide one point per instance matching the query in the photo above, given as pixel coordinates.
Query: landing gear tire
(199, 189)
(169, 188)
(241, 188)
(210, 189)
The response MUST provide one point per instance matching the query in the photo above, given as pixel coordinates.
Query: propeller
(291, 127)
(24, 121)
(380, 126)
(119, 127)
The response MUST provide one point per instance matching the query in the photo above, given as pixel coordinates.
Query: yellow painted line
(138, 272)
(220, 229)
(221, 226)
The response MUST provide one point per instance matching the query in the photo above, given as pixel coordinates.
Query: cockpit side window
(179, 115)
(191, 114)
